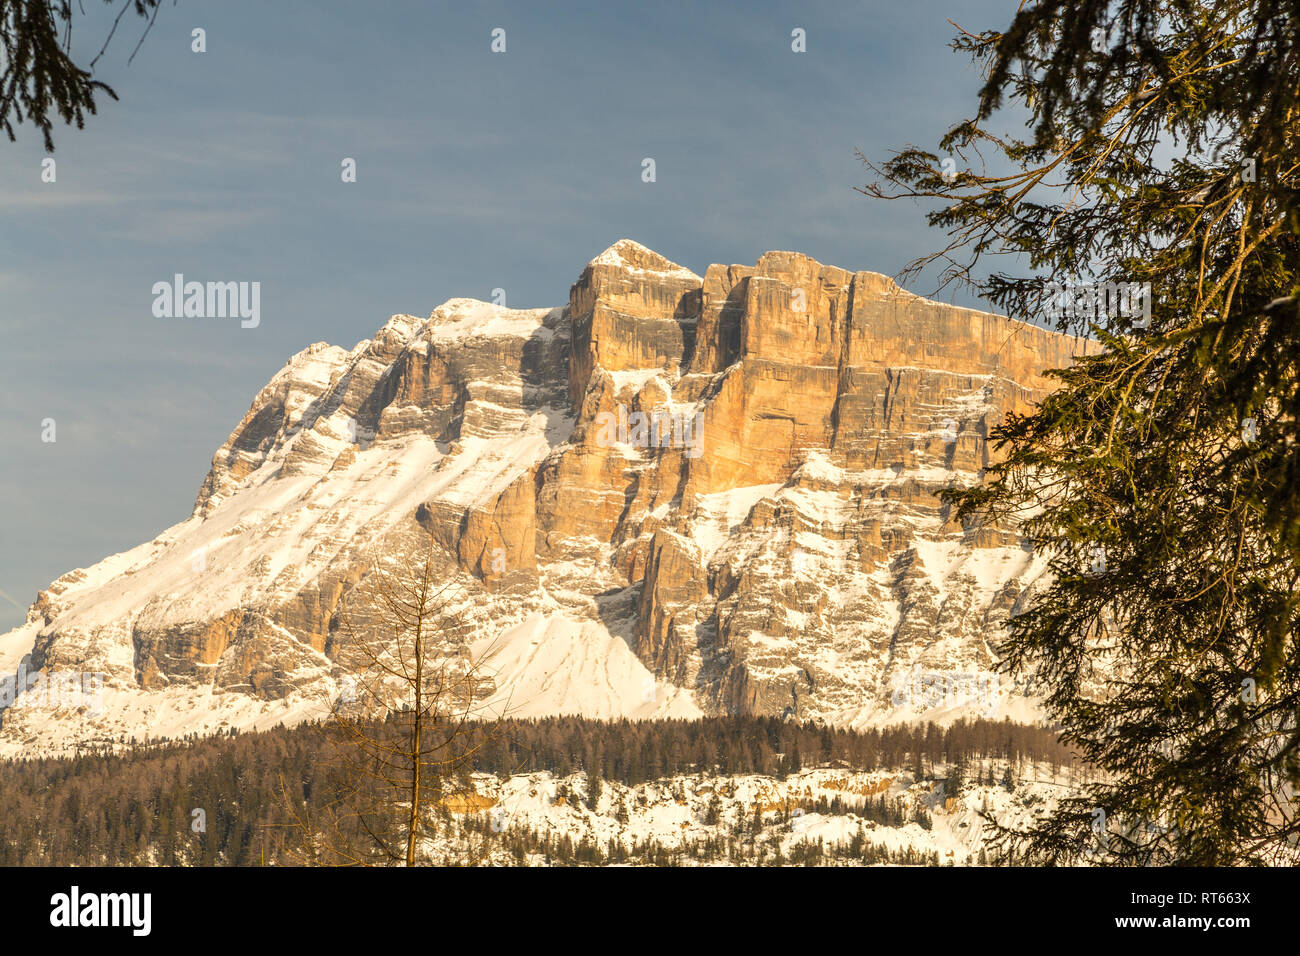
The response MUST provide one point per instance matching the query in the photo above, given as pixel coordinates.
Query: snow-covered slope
(822, 817)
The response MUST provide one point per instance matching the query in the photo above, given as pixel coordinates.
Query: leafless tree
(413, 712)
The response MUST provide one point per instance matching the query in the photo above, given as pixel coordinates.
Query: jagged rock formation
(675, 495)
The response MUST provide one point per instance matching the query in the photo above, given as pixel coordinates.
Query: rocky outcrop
(737, 475)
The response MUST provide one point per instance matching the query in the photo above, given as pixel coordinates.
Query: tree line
(221, 801)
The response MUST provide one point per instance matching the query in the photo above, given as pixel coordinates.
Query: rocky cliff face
(675, 495)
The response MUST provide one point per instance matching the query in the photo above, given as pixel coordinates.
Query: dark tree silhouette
(39, 81)
(1162, 479)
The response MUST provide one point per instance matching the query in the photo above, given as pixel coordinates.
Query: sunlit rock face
(677, 494)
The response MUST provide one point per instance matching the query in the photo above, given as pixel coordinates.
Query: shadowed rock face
(735, 474)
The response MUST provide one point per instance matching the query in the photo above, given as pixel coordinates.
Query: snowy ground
(687, 812)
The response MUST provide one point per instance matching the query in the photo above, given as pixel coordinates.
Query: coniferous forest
(138, 806)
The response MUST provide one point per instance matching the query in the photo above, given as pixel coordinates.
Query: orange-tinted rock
(738, 473)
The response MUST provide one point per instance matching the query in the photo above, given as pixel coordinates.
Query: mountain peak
(672, 496)
(631, 255)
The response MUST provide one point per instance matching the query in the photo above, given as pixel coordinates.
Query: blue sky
(475, 171)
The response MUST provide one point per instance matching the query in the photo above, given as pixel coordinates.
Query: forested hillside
(140, 805)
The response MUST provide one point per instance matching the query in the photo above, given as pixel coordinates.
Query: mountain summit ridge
(795, 561)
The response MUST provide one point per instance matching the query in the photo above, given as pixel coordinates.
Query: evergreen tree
(38, 76)
(622, 815)
(1162, 479)
(956, 777)
(714, 813)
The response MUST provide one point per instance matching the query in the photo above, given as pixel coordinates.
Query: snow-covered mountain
(676, 495)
